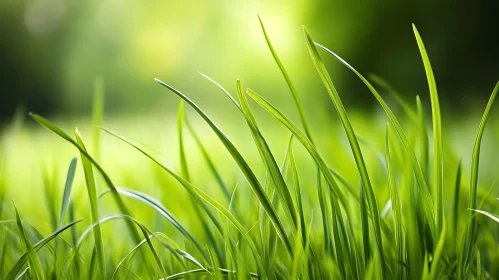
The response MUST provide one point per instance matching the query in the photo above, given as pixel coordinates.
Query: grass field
(398, 194)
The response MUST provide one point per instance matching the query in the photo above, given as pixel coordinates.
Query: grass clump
(402, 220)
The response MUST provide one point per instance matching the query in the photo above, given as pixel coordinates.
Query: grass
(398, 213)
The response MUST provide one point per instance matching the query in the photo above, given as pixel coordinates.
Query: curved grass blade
(243, 165)
(66, 197)
(223, 89)
(94, 205)
(130, 255)
(427, 201)
(22, 260)
(185, 173)
(268, 159)
(436, 270)
(208, 160)
(161, 209)
(145, 232)
(20, 276)
(475, 161)
(123, 209)
(488, 214)
(189, 273)
(354, 144)
(33, 257)
(305, 142)
(438, 171)
(194, 191)
(409, 111)
(290, 84)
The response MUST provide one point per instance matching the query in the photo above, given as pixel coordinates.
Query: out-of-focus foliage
(53, 50)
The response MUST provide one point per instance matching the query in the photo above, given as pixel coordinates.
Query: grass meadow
(405, 192)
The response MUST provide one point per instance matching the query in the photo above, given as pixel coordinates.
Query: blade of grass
(194, 191)
(189, 273)
(290, 84)
(306, 144)
(180, 123)
(185, 173)
(234, 101)
(66, 197)
(123, 209)
(437, 137)
(423, 141)
(268, 159)
(471, 230)
(208, 160)
(354, 144)
(25, 271)
(130, 255)
(436, 270)
(94, 205)
(243, 165)
(455, 204)
(409, 111)
(427, 201)
(22, 260)
(161, 209)
(37, 271)
(67, 191)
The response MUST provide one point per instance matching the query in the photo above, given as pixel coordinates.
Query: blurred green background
(52, 51)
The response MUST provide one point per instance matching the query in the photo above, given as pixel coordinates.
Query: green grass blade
(268, 159)
(223, 89)
(487, 214)
(326, 214)
(455, 204)
(130, 254)
(185, 173)
(423, 137)
(180, 124)
(161, 209)
(364, 218)
(36, 265)
(94, 205)
(224, 188)
(427, 201)
(354, 144)
(191, 273)
(194, 191)
(290, 84)
(471, 231)
(45, 123)
(66, 197)
(298, 195)
(306, 144)
(436, 270)
(25, 271)
(437, 137)
(409, 111)
(243, 165)
(22, 260)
